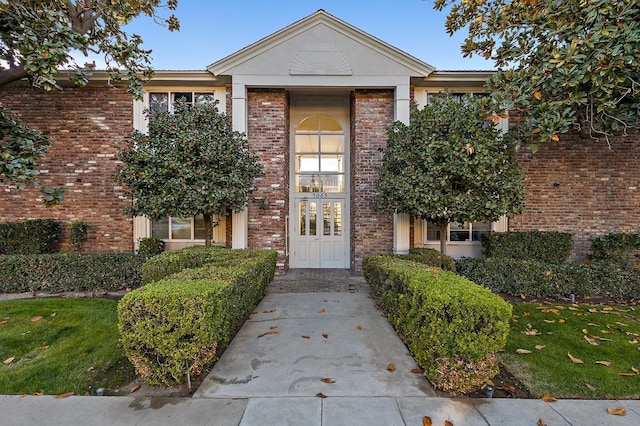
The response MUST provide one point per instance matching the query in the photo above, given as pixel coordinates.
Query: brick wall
(581, 186)
(268, 134)
(84, 125)
(371, 231)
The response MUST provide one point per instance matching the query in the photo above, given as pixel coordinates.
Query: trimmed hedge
(54, 273)
(552, 247)
(517, 277)
(173, 328)
(432, 257)
(620, 248)
(37, 236)
(452, 326)
(170, 262)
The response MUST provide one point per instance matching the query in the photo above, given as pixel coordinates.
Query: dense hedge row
(432, 257)
(35, 236)
(175, 326)
(551, 247)
(54, 273)
(517, 277)
(452, 326)
(619, 248)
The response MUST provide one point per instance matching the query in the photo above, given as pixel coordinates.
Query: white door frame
(301, 107)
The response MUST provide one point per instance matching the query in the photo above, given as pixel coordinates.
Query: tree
(38, 37)
(450, 164)
(563, 63)
(191, 162)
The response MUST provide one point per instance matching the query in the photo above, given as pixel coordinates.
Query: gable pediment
(320, 45)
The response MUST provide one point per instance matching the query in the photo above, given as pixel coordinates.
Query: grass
(595, 335)
(55, 346)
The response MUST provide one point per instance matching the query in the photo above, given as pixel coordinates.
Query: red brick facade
(268, 134)
(582, 187)
(84, 125)
(371, 231)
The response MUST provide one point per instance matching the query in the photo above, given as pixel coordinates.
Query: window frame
(215, 238)
(426, 228)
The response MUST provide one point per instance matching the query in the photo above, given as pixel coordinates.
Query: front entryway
(319, 231)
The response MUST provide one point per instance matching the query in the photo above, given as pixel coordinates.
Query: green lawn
(55, 346)
(596, 335)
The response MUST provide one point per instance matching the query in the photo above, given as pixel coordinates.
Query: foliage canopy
(191, 162)
(563, 63)
(450, 164)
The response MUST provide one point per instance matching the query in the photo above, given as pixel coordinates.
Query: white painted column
(239, 221)
(402, 222)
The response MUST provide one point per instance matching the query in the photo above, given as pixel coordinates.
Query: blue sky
(213, 29)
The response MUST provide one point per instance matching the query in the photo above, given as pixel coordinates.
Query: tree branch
(12, 74)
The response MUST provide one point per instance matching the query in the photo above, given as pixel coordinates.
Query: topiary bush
(452, 326)
(554, 247)
(433, 257)
(54, 273)
(518, 277)
(171, 329)
(79, 234)
(151, 246)
(170, 262)
(36, 236)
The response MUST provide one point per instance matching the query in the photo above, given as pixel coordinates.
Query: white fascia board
(367, 81)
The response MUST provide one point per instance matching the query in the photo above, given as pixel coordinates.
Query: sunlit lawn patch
(575, 351)
(55, 346)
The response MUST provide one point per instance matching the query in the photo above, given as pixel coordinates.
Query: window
(163, 101)
(319, 155)
(178, 228)
(458, 232)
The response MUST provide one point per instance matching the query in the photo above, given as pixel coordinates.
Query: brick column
(372, 111)
(268, 134)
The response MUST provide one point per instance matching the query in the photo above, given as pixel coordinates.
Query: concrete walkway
(305, 330)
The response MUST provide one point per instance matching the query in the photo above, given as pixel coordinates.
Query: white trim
(240, 229)
(401, 233)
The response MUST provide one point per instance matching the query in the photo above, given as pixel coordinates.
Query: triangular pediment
(320, 45)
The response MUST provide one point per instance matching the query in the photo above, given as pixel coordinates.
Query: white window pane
(198, 227)
(158, 102)
(160, 228)
(307, 183)
(332, 143)
(204, 98)
(459, 232)
(181, 228)
(307, 163)
(479, 229)
(332, 183)
(433, 232)
(307, 143)
(332, 163)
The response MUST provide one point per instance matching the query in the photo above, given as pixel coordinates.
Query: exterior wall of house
(85, 125)
(268, 134)
(371, 231)
(582, 187)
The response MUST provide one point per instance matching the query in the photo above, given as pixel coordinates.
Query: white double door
(319, 234)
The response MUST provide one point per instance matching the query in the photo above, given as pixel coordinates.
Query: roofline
(223, 65)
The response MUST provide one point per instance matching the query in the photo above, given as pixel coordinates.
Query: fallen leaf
(36, 319)
(38, 393)
(426, 421)
(539, 347)
(448, 423)
(607, 308)
(593, 310)
(634, 341)
(90, 369)
(53, 314)
(622, 324)
(616, 411)
(417, 370)
(358, 327)
(532, 332)
(626, 374)
(549, 321)
(135, 388)
(3, 322)
(321, 310)
(523, 351)
(24, 395)
(549, 398)
(605, 363)
(273, 327)
(591, 388)
(268, 333)
(391, 367)
(269, 312)
(325, 335)
(574, 359)
(537, 95)
(9, 360)
(328, 380)
(541, 423)
(321, 395)
(65, 395)
(590, 341)
(305, 337)
(561, 320)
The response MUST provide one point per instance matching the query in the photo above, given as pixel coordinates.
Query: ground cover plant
(54, 346)
(575, 350)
